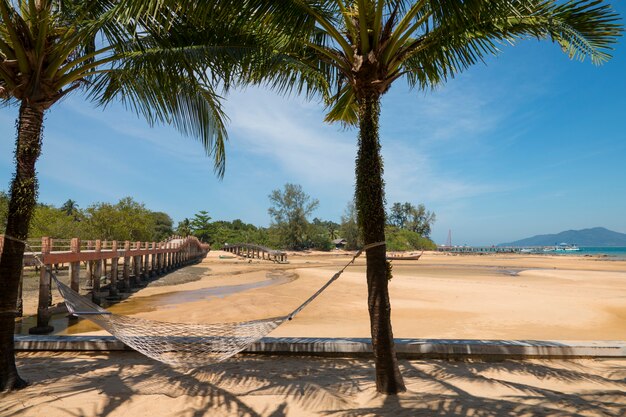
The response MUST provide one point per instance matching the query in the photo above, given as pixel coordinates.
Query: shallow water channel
(67, 325)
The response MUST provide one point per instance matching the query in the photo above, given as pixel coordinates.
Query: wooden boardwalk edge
(406, 348)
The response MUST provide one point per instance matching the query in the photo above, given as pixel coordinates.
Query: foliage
(201, 226)
(126, 220)
(289, 211)
(109, 221)
(322, 233)
(318, 238)
(407, 216)
(151, 61)
(54, 222)
(349, 229)
(184, 227)
(70, 208)
(4, 208)
(331, 228)
(406, 240)
(163, 226)
(237, 232)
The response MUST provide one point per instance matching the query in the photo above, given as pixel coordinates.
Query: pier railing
(247, 250)
(112, 267)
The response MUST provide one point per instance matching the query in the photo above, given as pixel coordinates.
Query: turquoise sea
(613, 251)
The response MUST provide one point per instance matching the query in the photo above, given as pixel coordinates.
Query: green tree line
(125, 220)
(408, 226)
(290, 210)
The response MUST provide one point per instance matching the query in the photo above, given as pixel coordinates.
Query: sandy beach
(127, 384)
(439, 296)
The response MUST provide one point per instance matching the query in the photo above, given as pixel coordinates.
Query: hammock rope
(182, 344)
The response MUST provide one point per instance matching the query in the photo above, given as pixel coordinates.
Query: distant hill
(597, 236)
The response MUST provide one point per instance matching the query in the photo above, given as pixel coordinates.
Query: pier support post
(126, 266)
(97, 274)
(164, 258)
(137, 264)
(113, 288)
(153, 272)
(89, 282)
(43, 311)
(160, 259)
(157, 259)
(146, 262)
(74, 270)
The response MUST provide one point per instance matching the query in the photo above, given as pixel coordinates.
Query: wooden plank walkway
(248, 250)
(406, 348)
(121, 265)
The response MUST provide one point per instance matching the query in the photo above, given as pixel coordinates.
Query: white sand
(127, 384)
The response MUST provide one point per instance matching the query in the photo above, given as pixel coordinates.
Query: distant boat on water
(561, 247)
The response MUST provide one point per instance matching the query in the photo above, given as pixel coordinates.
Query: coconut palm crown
(363, 46)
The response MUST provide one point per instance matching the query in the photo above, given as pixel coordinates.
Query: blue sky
(530, 143)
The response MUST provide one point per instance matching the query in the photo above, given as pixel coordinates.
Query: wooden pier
(247, 250)
(112, 267)
(480, 249)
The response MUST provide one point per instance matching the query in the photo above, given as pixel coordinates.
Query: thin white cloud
(410, 176)
(165, 139)
(292, 133)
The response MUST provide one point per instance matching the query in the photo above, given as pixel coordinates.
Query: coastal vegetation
(289, 211)
(125, 220)
(130, 220)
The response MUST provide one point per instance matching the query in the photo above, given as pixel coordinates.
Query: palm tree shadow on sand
(275, 386)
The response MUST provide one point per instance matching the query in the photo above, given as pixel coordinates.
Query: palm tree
(363, 46)
(69, 207)
(147, 54)
(184, 227)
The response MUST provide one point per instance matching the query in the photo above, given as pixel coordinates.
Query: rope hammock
(180, 344)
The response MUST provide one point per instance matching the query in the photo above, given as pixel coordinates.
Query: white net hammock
(181, 344)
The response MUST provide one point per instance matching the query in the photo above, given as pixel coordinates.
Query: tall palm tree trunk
(21, 207)
(370, 202)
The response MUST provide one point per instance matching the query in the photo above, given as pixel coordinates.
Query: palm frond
(343, 108)
(457, 38)
(168, 93)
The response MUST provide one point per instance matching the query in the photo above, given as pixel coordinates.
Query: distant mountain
(597, 236)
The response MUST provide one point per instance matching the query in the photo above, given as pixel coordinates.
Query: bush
(402, 240)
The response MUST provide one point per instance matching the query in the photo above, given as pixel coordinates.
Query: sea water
(609, 251)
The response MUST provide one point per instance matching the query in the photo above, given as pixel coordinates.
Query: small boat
(561, 247)
(403, 256)
(572, 248)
